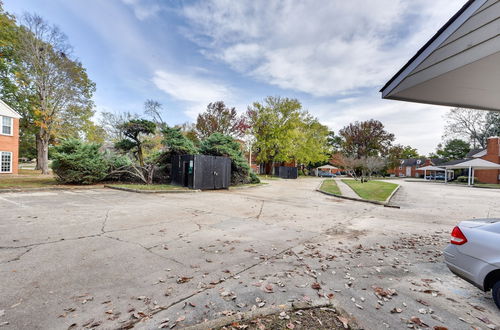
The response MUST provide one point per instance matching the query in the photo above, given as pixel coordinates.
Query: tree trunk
(140, 156)
(37, 143)
(42, 151)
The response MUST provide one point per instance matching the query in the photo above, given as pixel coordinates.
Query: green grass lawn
(148, 186)
(330, 186)
(27, 179)
(371, 190)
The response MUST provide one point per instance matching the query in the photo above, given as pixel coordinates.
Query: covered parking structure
(435, 169)
(327, 168)
(472, 165)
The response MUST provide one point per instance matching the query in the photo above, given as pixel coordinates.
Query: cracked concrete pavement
(111, 259)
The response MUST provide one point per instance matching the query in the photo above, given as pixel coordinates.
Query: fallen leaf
(418, 322)
(437, 327)
(181, 318)
(396, 310)
(344, 320)
(316, 286)
(269, 288)
(183, 279)
(290, 325)
(423, 302)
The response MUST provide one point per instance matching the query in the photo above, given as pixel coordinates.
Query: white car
(474, 254)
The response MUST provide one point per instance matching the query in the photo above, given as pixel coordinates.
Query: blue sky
(332, 55)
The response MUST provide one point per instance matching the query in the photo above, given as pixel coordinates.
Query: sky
(333, 56)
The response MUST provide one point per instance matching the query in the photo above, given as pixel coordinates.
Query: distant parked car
(326, 174)
(439, 177)
(474, 254)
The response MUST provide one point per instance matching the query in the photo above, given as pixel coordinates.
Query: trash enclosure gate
(201, 172)
(286, 172)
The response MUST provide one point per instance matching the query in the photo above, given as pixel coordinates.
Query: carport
(327, 168)
(472, 165)
(433, 169)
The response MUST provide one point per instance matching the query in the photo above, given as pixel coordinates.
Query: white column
(468, 178)
(473, 174)
(425, 174)
(445, 175)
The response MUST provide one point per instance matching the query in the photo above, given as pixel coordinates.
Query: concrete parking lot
(109, 259)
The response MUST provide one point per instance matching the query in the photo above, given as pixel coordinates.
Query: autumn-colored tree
(398, 152)
(367, 138)
(50, 89)
(218, 118)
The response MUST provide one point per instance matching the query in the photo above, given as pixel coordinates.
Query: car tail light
(457, 237)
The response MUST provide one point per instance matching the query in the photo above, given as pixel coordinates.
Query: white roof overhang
(459, 66)
(7, 111)
(479, 164)
(431, 168)
(327, 167)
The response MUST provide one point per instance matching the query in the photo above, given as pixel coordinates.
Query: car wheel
(496, 293)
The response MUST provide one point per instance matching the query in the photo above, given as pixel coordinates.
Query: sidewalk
(345, 189)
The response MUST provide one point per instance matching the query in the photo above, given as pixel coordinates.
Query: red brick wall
(11, 143)
(492, 155)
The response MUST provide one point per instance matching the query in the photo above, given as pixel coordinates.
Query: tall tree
(57, 85)
(112, 122)
(218, 118)
(474, 126)
(367, 138)
(274, 123)
(310, 142)
(135, 132)
(398, 152)
(453, 149)
(154, 110)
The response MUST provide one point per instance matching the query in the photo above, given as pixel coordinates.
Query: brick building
(408, 167)
(492, 154)
(9, 139)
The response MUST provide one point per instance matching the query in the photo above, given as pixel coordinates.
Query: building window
(7, 124)
(5, 162)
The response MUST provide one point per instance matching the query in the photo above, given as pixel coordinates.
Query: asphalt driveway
(109, 259)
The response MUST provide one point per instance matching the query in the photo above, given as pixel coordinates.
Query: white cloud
(339, 52)
(197, 92)
(320, 48)
(143, 9)
(418, 125)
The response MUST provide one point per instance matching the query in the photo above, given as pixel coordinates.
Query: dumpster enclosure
(201, 172)
(286, 172)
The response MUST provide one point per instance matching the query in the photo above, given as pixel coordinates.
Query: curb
(385, 204)
(246, 316)
(248, 187)
(13, 190)
(388, 200)
(153, 191)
